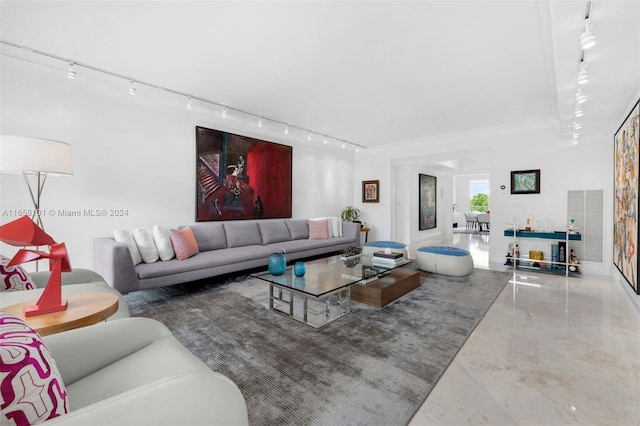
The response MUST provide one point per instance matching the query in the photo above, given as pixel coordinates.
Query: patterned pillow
(14, 277)
(31, 388)
(184, 243)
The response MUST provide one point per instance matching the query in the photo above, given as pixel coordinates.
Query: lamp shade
(20, 154)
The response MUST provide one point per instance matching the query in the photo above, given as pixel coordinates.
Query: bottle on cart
(517, 254)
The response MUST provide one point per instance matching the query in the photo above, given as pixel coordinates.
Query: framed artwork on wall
(625, 197)
(525, 182)
(238, 177)
(370, 191)
(427, 192)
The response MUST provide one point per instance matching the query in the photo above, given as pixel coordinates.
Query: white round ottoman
(373, 246)
(445, 260)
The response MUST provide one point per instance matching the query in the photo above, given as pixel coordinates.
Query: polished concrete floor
(550, 351)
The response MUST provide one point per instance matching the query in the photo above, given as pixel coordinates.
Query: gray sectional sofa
(225, 247)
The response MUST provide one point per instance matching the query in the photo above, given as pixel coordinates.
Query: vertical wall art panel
(626, 169)
(238, 177)
(428, 197)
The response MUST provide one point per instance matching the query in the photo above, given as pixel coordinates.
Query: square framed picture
(525, 182)
(370, 191)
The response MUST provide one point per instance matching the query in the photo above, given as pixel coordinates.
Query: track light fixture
(580, 97)
(133, 83)
(72, 72)
(578, 111)
(587, 39)
(583, 77)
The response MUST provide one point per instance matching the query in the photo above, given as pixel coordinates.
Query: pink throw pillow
(318, 229)
(14, 277)
(184, 243)
(31, 387)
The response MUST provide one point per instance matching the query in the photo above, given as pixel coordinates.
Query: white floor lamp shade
(28, 156)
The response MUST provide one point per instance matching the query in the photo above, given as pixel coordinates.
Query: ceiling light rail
(134, 83)
(587, 41)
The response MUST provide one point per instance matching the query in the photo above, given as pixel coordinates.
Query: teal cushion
(445, 251)
(385, 244)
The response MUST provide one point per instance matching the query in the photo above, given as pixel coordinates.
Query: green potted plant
(350, 214)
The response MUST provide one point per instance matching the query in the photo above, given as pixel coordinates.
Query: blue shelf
(547, 235)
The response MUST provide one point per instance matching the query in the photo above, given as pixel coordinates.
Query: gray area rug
(372, 367)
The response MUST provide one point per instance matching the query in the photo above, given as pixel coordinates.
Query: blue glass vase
(299, 269)
(277, 264)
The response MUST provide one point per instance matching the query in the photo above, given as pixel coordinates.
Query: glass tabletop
(326, 275)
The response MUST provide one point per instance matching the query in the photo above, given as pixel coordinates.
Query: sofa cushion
(206, 259)
(242, 234)
(14, 277)
(184, 243)
(295, 246)
(274, 231)
(146, 246)
(318, 229)
(210, 236)
(298, 228)
(125, 236)
(162, 238)
(30, 384)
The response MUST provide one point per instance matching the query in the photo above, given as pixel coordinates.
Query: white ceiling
(371, 72)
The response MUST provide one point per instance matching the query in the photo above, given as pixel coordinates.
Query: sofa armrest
(76, 276)
(112, 260)
(86, 350)
(196, 398)
(351, 230)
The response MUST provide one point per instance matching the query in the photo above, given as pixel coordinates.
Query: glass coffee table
(323, 294)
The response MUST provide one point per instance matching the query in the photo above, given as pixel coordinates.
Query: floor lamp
(35, 159)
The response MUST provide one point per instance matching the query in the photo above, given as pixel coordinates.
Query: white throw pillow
(335, 223)
(162, 238)
(125, 236)
(144, 240)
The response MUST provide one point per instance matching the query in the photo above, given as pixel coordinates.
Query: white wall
(136, 153)
(563, 167)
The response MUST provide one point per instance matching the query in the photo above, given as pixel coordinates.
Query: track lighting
(578, 112)
(577, 126)
(580, 97)
(587, 39)
(583, 77)
(72, 72)
(133, 83)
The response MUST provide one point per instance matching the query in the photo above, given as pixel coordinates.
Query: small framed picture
(370, 191)
(525, 182)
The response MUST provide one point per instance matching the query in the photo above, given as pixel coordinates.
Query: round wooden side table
(83, 309)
